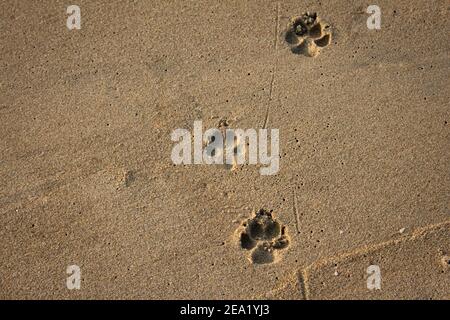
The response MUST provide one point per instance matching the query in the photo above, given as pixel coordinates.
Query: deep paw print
(308, 35)
(264, 236)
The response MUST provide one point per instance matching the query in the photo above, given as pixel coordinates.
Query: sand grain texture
(85, 169)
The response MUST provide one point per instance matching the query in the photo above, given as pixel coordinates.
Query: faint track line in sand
(302, 274)
(272, 78)
(417, 233)
(295, 208)
(302, 279)
(277, 26)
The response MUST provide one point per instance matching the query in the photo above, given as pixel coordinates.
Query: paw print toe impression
(264, 236)
(307, 34)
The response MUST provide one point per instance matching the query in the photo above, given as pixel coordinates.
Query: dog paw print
(308, 35)
(264, 237)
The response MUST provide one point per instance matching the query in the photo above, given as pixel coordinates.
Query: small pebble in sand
(300, 29)
(402, 230)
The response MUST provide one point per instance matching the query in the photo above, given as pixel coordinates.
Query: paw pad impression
(264, 236)
(307, 34)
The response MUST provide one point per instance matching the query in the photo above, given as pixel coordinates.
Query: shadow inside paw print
(308, 35)
(263, 235)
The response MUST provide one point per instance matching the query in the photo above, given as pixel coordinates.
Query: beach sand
(87, 177)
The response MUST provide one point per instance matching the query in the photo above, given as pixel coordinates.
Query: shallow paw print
(308, 35)
(264, 236)
(235, 148)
